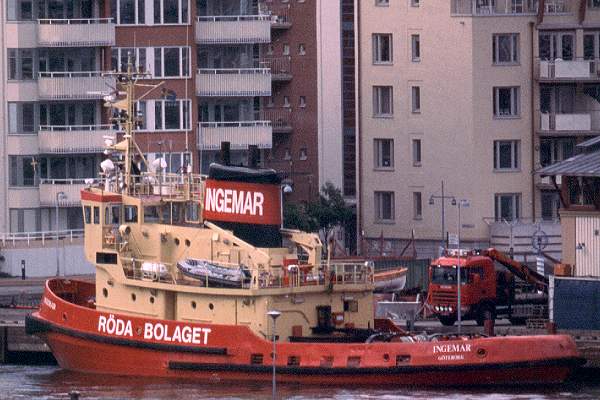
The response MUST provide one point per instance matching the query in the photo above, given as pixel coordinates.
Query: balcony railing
(559, 69)
(29, 238)
(281, 67)
(73, 85)
(50, 190)
(583, 121)
(76, 32)
(509, 7)
(239, 134)
(233, 29)
(62, 139)
(281, 118)
(280, 17)
(233, 82)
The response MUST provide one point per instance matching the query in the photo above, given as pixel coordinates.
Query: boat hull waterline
(86, 340)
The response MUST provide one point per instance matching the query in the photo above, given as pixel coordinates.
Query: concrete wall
(42, 261)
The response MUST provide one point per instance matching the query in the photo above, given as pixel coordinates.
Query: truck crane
(518, 292)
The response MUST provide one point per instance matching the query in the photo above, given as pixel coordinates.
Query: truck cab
(478, 287)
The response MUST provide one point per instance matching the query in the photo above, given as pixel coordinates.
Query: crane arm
(518, 269)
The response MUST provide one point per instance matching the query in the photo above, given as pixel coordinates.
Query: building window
(20, 10)
(22, 118)
(384, 206)
(550, 205)
(303, 154)
(415, 47)
(382, 3)
(171, 62)
(301, 49)
(25, 219)
(506, 102)
(505, 48)
(286, 49)
(594, 3)
(382, 48)
(22, 171)
(286, 101)
(128, 12)
(270, 49)
(417, 206)
(120, 56)
(555, 150)
(384, 153)
(506, 155)
(507, 206)
(416, 99)
(382, 101)
(171, 11)
(21, 64)
(415, 3)
(287, 154)
(302, 102)
(416, 152)
(171, 115)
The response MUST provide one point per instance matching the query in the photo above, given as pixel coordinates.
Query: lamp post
(59, 196)
(463, 203)
(443, 197)
(274, 315)
(285, 189)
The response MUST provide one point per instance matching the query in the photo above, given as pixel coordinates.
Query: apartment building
(246, 72)
(472, 96)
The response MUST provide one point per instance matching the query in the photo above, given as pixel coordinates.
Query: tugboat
(144, 316)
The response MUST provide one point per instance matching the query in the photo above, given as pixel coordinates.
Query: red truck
(515, 292)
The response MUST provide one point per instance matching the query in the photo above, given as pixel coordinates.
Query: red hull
(79, 343)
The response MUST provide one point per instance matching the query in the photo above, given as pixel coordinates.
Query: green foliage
(322, 215)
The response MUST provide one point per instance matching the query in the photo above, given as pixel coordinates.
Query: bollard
(488, 327)
(74, 395)
(22, 270)
(551, 328)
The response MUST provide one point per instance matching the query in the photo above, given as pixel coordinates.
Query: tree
(323, 215)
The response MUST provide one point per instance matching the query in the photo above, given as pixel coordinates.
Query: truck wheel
(487, 311)
(447, 320)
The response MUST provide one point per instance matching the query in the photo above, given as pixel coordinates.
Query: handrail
(233, 18)
(66, 181)
(91, 128)
(239, 71)
(70, 74)
(19, 237)
(74, 21)
(223, 124)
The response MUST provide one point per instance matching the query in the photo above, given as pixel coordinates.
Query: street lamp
(443, 197)
(285, 189)
(274, 315)
(464, 204)
(60, 196)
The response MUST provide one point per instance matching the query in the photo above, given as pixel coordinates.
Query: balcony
(582, 123)
(494, 8)
(233, 29)
(281, 68)
(95, 32)
(560, 71)
(239, 134)
(280, 16)
(281, 118)
(233, 82)
(73, 85)
(71, 188)
(65, 139)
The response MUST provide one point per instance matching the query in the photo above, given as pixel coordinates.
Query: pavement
(28, 291)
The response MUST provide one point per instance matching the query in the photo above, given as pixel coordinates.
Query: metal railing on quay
(41, 236)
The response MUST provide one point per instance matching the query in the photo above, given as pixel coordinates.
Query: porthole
(105, 292)
(211, 306)
(193, 304)
(152, 299)
(188, 243)
(133, 297)
(177, 241)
